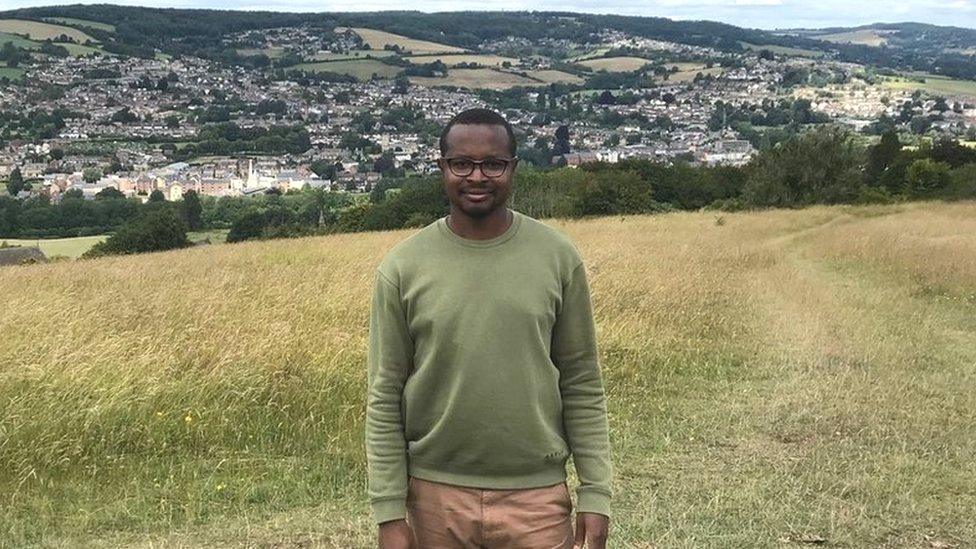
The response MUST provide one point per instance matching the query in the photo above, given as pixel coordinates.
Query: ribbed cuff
(386, 510)
(593, 502)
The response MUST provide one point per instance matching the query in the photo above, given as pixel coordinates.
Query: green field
(81, 23)
(453, 59)
(933, 84)
(68, 247)
(771, 377)
(587, 55)
(352, 54)
(75, 247)
(77, 50)
(13, 73)
(37, 30)
(783, 50)
(18, 41)
(688, 71)
(362, 69)
(273, 52)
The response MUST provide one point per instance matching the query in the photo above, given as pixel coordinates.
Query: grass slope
(771, 376)
(377, 39)
(37, 30)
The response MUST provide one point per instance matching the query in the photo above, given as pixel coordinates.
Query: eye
(461, 164)
(493, 165)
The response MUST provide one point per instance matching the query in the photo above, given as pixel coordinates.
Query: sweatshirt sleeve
(574, 352)
(390, 359)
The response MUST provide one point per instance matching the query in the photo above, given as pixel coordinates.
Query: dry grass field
(484, 78)
(377, 39)
(35, 30)
(866, 37)
(777, 378)
(615, 64)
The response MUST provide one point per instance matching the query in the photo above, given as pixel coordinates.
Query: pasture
(773, 378)
(614, 64)
(453, 59)
(36, 30)
(783, 50)
(377, 39)
(18, 41)
(362, 69)
(485, 78)
(866, 37)
(351, 54)
(71, 22)
(12, 73)
(940, 85)
(74, 247)
(273, 52)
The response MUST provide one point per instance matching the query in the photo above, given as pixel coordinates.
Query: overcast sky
(766, 14)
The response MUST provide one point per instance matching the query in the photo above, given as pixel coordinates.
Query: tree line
(824, 165)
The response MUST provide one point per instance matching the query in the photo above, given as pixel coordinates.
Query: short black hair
(479, 116)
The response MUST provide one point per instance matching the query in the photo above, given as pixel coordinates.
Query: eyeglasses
(490, 167)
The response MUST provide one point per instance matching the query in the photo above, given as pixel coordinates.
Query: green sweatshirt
(483, 367)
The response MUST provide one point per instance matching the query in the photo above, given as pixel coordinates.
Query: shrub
(156, 230)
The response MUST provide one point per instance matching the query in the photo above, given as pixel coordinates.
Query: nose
(477, 174)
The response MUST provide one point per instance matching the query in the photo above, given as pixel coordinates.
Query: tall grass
(773, 377)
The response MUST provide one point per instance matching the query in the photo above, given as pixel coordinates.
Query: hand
(396, 534)
(593, 529)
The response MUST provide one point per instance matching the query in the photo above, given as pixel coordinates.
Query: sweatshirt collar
(481, 243)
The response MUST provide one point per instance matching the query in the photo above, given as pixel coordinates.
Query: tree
(561, 143)
(882, 155)
(157, 196)
(819, 166)
(109, 193)
(385, 163)
(91, 175)
(16, 182)
(155, 230)
(926, 178)
(73, 192)
(401, 85)
(246, 227)
(192, 210)
(606, 98)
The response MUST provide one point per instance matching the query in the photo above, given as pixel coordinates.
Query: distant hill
(141, 31)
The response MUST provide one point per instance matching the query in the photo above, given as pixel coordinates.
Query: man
(483, 373)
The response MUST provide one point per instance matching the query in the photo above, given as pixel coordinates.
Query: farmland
(615, 64)
(377, 39)
(491, 79)
(362, 69)
(82, 23)
(36, 30)
(934, 84)
(453, 59)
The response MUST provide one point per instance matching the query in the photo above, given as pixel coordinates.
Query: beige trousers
(445, 516)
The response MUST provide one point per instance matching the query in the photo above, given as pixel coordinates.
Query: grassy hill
(36, 30)
(772, 377)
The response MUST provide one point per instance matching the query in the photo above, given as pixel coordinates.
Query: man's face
(477, 195)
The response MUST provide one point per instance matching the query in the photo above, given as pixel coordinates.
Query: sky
(763, 14)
